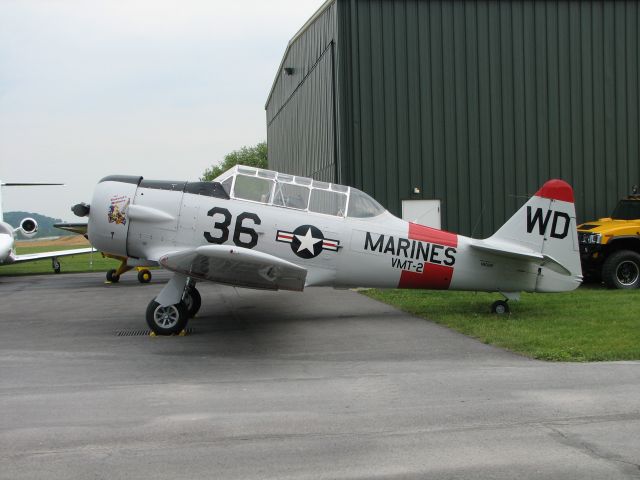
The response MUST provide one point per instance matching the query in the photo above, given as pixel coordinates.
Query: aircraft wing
(79, 228)
(29, 257)
(506, 249)
(237, 266)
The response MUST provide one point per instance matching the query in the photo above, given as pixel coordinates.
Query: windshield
(626, 210)
(362, 205)
(255, 189)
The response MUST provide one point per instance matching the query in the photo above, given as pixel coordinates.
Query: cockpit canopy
(300, 193)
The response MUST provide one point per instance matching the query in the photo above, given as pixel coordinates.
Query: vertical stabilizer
(546, 224)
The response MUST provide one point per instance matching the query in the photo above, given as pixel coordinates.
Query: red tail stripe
(557, 190)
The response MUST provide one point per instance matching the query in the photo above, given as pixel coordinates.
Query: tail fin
(546, 225)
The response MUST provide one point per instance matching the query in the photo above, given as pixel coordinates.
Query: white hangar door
(424, 212)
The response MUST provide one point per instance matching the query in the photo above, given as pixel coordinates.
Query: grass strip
(588, 324)
(87, 262)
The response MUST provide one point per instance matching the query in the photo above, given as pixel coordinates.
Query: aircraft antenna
(477, 221)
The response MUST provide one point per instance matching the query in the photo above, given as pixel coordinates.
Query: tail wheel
(500, 307)
(112, 277)
(622, 270)
(144, 276)
(167, 320)
(192, 300)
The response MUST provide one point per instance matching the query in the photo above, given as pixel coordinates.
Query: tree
(249, 156)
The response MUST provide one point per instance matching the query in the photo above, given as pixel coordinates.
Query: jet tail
(544, 230)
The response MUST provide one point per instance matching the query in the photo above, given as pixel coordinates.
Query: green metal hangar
(472, 105)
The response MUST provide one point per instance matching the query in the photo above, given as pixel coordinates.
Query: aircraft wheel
(144, 276)
(500, 307)
(193, 301)
(56, 265)
(167, 320)
(112, 277)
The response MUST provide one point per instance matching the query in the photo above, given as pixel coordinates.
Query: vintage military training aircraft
(262, 229)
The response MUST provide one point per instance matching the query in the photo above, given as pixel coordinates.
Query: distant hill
(45, 224)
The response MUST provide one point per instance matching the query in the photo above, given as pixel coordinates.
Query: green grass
(589, 324)
(73, 264)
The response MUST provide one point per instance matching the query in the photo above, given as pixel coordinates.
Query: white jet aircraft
(28, 227)
(262, 229)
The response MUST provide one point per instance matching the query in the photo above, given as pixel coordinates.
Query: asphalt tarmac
(321, 384)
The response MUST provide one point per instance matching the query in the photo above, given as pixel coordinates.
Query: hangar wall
(478, 103)
(301, 120)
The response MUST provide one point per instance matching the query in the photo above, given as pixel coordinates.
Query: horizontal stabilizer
(236, 266)
(510, 250)
(79, 228)
(507, 250)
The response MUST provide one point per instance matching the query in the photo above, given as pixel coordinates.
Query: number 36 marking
(223, 227)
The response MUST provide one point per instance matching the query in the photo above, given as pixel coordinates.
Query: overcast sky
(156, 88)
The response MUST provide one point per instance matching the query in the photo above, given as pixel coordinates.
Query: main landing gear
(55, 264)
(170, 311)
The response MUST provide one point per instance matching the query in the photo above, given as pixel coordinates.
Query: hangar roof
(303, 29)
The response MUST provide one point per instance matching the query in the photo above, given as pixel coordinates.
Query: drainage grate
(143, 333)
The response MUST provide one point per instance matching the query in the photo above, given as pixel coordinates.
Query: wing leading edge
(236, 266)
(29, 257)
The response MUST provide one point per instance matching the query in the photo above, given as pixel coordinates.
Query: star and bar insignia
(307, 241)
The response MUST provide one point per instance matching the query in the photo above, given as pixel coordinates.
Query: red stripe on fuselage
(432, 235)
(434, 276)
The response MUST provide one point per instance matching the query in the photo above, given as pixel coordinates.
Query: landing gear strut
(170, 311)
(55, 264)
(113, 275)
(192, 300)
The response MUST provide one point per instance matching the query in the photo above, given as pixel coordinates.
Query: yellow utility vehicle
(610, 247)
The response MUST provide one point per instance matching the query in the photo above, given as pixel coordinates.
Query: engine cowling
(28, 227)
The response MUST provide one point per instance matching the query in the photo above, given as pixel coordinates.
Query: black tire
(621, 269)
(193, 301)
(144, 276)
(112, 277)
(500, 307)
(168, 320)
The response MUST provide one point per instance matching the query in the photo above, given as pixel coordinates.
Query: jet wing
(79, 228)
(506, 249)
(29, 257)
(237, 266)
